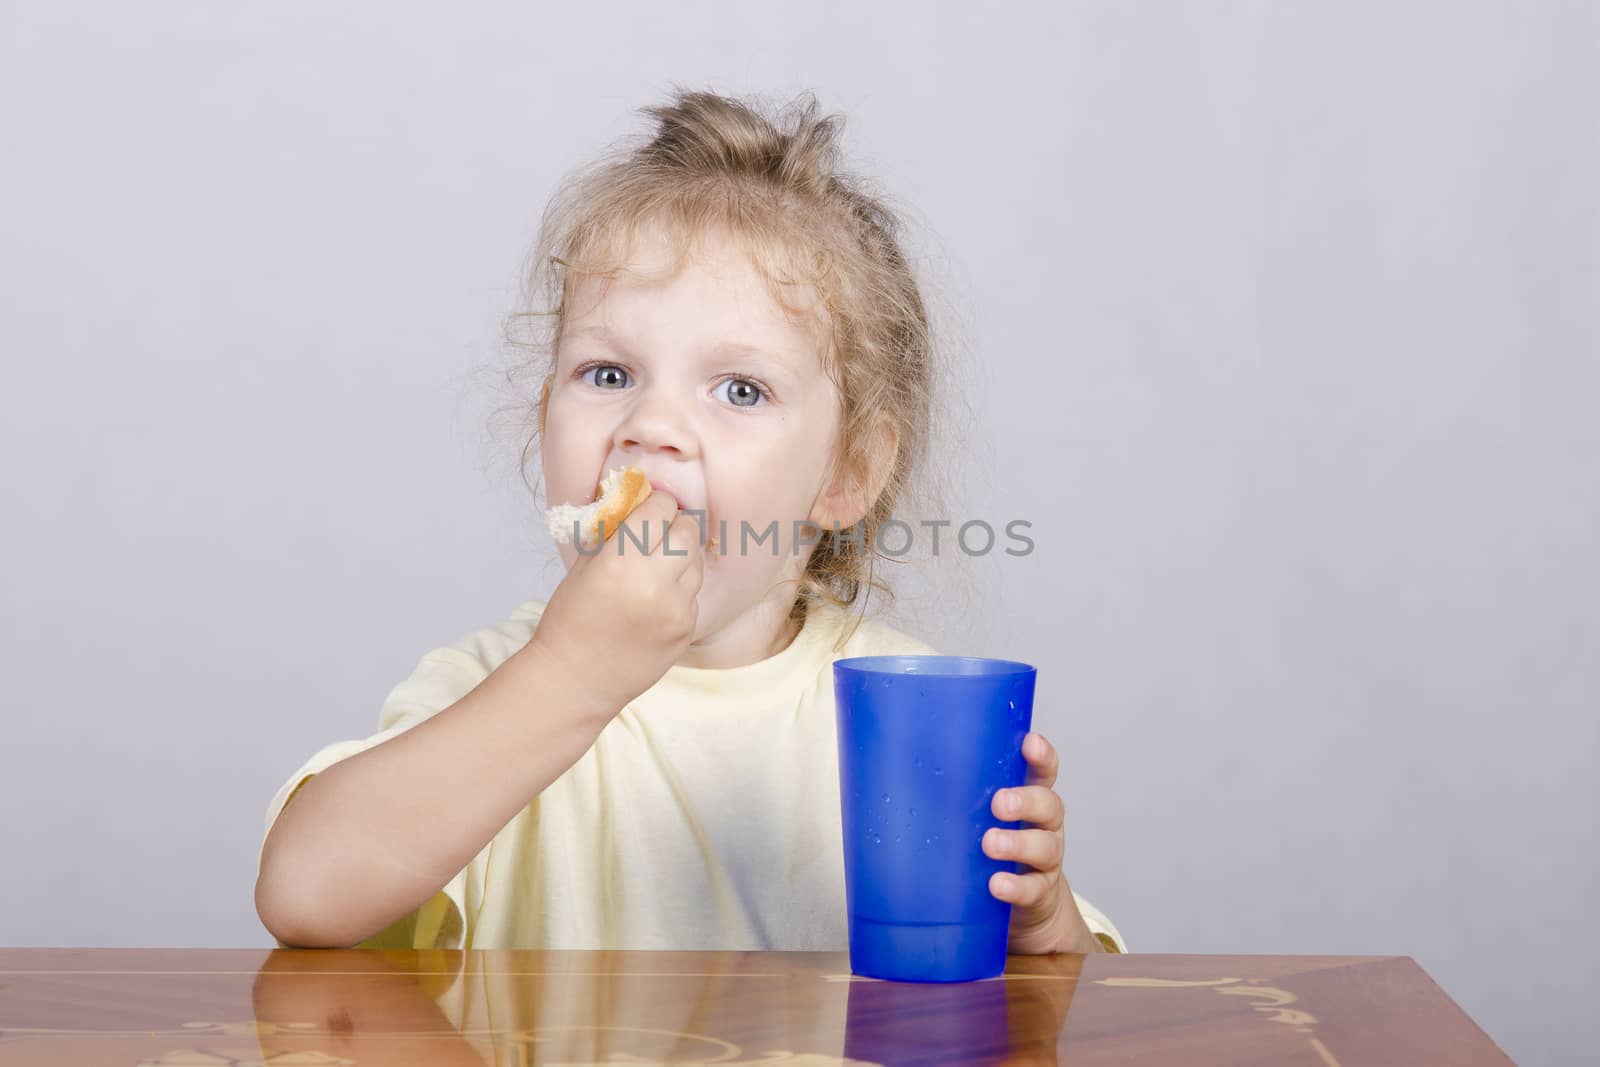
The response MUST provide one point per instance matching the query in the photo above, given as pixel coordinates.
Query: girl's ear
(859, 482)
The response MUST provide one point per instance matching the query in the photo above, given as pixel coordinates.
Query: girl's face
(703, 382)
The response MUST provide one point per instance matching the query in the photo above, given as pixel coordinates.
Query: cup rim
(893, 664)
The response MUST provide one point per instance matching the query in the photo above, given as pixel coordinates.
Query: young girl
(648, 760)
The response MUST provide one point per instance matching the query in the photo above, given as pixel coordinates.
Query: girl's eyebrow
(720, 350)
(740, 349)
(599, 333)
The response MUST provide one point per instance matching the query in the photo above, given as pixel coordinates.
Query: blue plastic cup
(924, 744)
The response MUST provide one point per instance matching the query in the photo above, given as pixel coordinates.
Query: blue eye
(740, 392)
(745, 393)
(606, 376)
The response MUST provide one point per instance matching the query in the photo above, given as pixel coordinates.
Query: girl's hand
(622, 616)
(1044, 915)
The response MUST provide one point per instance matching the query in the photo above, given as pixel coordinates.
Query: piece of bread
(620, 491)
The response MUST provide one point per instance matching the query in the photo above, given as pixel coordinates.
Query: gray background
(1282, 331)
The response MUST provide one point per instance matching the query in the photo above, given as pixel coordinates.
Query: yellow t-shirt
(704, 816)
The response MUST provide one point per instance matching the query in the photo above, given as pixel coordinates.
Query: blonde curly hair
(718, 165)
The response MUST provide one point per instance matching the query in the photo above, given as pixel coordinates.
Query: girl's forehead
(653, 251)
(714, 284)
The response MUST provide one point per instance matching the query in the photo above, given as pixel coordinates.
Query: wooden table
(214, 1007)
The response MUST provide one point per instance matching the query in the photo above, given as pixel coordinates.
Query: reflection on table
(287, 1008)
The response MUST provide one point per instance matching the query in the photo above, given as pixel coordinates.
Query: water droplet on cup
(938, 770)
(1012, 704)
(886, 798)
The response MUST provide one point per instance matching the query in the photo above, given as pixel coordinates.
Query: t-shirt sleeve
(441, 678)
(1100, 926)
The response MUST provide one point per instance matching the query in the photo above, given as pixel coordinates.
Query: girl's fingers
(1039, 849)
(681, 545)
(692, 577)
(1043, 763)
(1023, 890)
(648, 520)
(1036, 804)
(1040, 846)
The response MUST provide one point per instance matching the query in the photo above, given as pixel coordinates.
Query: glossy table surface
(294, 1008)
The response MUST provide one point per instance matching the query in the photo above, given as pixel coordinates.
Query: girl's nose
(655, 423)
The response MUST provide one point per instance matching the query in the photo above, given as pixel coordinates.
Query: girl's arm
(371, 838)
(374, 836)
